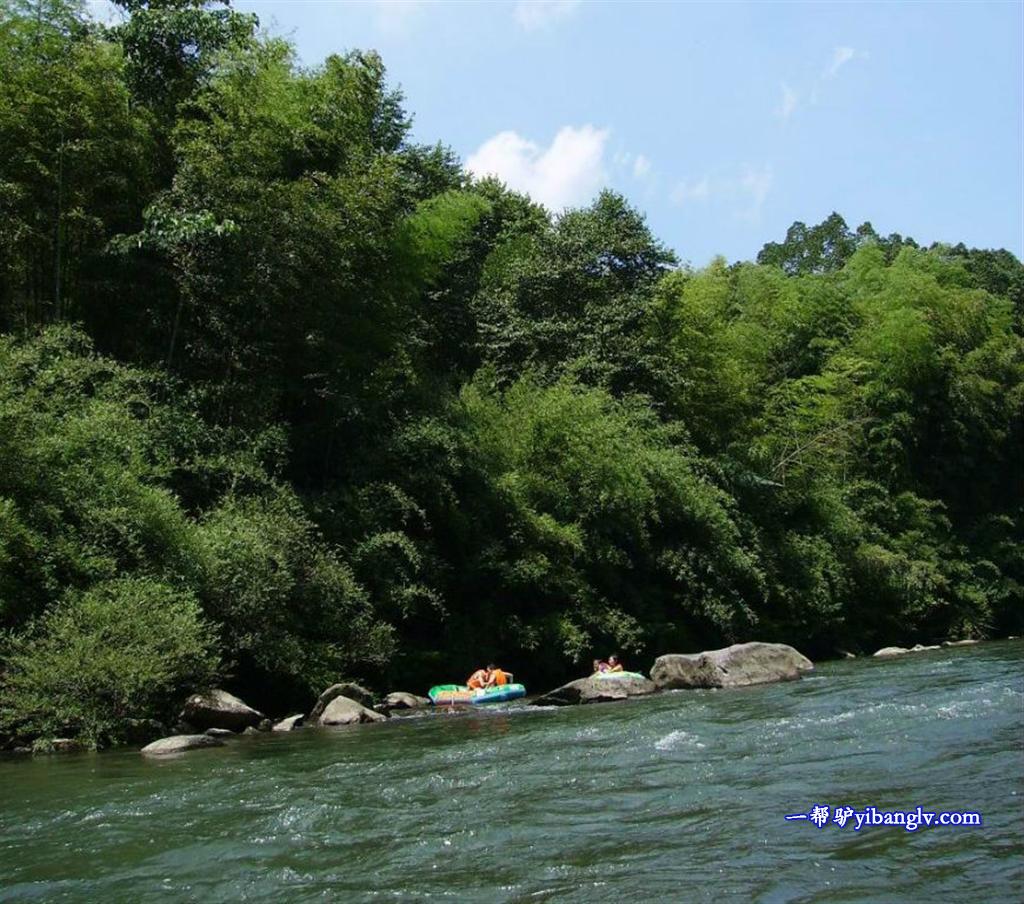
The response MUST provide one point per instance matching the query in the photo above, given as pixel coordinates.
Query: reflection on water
(678, 797)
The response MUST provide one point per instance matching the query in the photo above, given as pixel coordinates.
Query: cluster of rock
(736, 666)
(210, 717)
(207, 719)
(886, 652)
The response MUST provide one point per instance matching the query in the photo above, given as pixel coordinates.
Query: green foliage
(100, 662)
(287, 606)
(574, 298)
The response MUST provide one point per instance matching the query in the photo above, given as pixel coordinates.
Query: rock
(251, 730)
(219, 732)
(740, 665)
(265, 725)
(346, 689)
(596, 690)
(65, 745)
(21, 751)
(219, 709)
(959, 643)
(402, 700)
(846, 654)
(290, 724)
(343, 711)
(920, 648)
(890, 651)
(180, 743)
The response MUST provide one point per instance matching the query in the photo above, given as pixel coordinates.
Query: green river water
(678, 797)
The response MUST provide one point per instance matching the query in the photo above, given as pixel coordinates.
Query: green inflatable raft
(445, 694)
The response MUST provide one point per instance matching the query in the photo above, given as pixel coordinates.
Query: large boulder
(343, 711)
(740, 665)
(180, 743)
(402, 700)
(344, 689)
(219, 709)
(597, 690)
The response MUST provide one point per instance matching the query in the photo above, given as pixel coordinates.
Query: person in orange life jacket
(489, 677)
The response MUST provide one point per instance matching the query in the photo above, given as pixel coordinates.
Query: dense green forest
(287, 397)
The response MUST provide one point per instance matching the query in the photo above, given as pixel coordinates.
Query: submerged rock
(219, 709)
(290, 724)
(597, 690)
(345, 689)
(343, 711)
(402, 700)
(960, 643)
(900, 651)
(890, 651)
(740, 665)
(180, 743)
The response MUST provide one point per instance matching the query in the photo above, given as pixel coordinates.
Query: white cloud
(641, 167)
(789, 102)
(533, 15)
(840, 57)
(571, 171)
(686, 191)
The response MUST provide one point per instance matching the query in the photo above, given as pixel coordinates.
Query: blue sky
(723, 122)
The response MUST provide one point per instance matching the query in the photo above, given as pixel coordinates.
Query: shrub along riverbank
(286, 398)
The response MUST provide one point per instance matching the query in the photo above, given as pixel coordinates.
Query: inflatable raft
(611, 676)
(445, 694)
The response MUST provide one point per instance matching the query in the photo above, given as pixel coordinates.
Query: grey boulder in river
(343, 711)
(290, 724)
(597, 690)
(402, 700)
(219, 709)
(180, 743)
(344, 689)
(736, 666)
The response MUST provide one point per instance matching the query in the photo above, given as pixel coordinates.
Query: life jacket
(500, 677)
(614, 668)
(477, 679)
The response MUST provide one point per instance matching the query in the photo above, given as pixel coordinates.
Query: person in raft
(491, 676)
(613, 664)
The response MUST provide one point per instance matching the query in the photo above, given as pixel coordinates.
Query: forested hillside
(286, 397)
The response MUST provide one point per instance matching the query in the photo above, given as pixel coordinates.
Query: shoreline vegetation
(289, 401)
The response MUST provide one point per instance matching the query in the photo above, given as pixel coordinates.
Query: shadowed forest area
(286, 397)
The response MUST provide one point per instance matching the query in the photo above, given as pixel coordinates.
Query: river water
(679, 797)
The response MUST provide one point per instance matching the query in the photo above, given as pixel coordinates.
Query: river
(678, 797)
